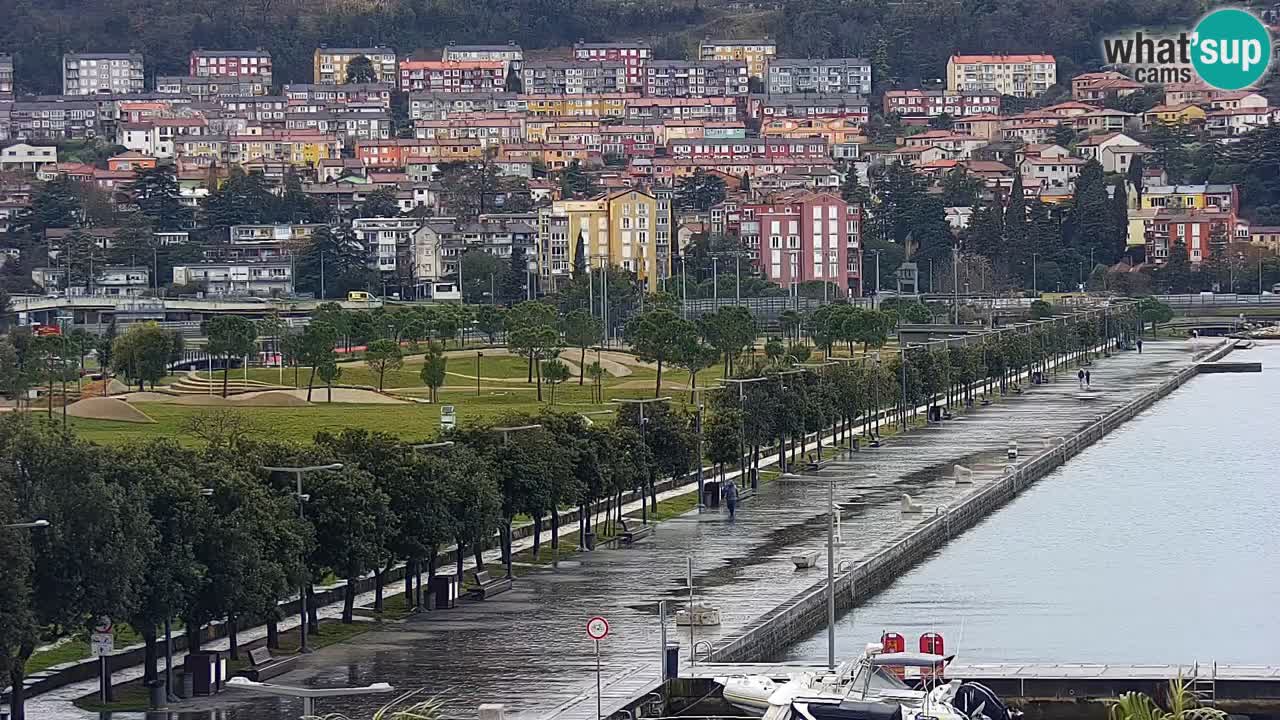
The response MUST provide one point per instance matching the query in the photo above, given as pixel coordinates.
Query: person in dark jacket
(731, 498)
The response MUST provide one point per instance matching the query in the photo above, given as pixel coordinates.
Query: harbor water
(1159, 544)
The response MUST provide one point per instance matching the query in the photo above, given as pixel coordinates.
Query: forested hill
(907, 39)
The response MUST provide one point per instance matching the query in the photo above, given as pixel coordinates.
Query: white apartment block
(102, 73)
(1021, 76)
(842, 76)
(386, 239)
(238, 278)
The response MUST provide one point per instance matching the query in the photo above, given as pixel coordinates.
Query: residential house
(1103, 121)
(646, 109)
(131, 161)
(1266, 236)
(157, 137)
(28, 158)
(767, 107)
(388, 243)
(602, 105)
(695, 78)
(632, 54)
(259, 279)
(1180, 114)
(96, 73)
(767, 147)
(1022, 76)
(840, 76)
(1115, 151)
(329, 65)
(265, 109)
(295, 147)
(341, 95)
(1192, 197)
(1055, 172)
(1204, 232)
(439, 243)
(574, 77)
(447, 105)
(1236, 100)
(756, 53)
(397, 152)
(50, 120)
(231, 63)
(1098, 87)
(350, 127)
(1234, 122)
(803, 236)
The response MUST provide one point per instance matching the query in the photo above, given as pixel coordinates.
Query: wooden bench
(262, 666)
(632, 533)
(486, 587)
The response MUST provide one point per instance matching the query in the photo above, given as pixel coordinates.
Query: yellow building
(629, 228)
(330, 64)
(755, 53)
(1190, 197)
(594, 106)
(1185, 113)
(296, 147)
(836, 131)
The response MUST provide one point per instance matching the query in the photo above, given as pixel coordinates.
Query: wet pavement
(528, 648)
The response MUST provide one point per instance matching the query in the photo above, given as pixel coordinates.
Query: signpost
(448, 417)
(101, 644)
(597, 630)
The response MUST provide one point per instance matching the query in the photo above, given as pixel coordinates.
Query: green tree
(555, 372)
(730, 331)
(242, 199)
(231, 337)
(655, 337)
(380, 203)
(351, 515)
(155, 190)
(361, 70)
(959, 189)
(774, 350)
(1181, 700)
(699, 191)
(315, 348)
(142, 354)
(381, 356)
(490, 320)
(581, 330)
(851, 188)
(532, 333)
(330, 372)
(1089, 225)
(434, 368)
(332, 264)
(575, 184)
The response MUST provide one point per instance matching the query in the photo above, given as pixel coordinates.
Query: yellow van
(359, 296)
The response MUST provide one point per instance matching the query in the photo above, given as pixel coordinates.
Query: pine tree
(985, 235)
(155, 190)
(1089, 225)
(580, 256)
(852, 190)
(1119, 211)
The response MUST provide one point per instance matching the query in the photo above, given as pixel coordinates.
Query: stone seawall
(806, 612)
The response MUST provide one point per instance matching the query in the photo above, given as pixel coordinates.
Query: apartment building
(573, 77)
(205, 88)
(635, 55)
(295, 147)
(439, 243)
(773, 107)
(835, 75)
(264, 278)
(269, 109)
(629, 228)
(802, 236)
(442, 76)
(448, 105)
(756, 53)
(510, 54)
(932, 103)
(6, 77)
(329, 65)
(388, 242)
(50, 120)
(1021, 76)
(231, 63)
(713, 109)
(96, 73)
(344, 94)
(350, 126)
(695, 78)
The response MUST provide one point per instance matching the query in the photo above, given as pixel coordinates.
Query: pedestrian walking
(731, 498)
(1087, 378)
(1080, 378)
(1139, 346)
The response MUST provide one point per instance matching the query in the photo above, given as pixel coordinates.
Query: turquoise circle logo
(1231, 49)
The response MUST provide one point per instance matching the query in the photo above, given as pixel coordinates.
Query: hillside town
(602, 155)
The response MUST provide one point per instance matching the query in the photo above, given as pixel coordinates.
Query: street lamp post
(1035, 286)
(297, 473)
(742, 431)
(479, 355)
(506, 527)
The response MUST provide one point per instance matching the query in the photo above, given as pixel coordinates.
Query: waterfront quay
(528, 648)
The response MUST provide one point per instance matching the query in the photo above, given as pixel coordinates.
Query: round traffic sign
(597, 628)
(103, 625)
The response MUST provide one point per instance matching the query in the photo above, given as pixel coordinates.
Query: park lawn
(77, 649)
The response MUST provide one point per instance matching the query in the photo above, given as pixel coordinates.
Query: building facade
(757, 54)
(231, 63)
(932, 103)
(835, 75)
(695, 78)
(635, 55)
(99, 73)
(511, 55)
(329, 65)
(6, 77)
(801, 236)
(1021, 76)
(574, 77)
(471, 76)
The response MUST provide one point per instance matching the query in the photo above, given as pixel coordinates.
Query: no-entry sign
(597, 628)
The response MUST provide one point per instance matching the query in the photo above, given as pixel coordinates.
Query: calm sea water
(1159, 544)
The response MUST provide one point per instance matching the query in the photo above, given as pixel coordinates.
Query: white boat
(865, 689)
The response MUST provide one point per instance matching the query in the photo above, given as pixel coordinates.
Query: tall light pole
(1035, 286)
(297, 473)
(742, 431)
(875, 292)
(644, 437)
(479, 355)
(715, 280)
(506, 526)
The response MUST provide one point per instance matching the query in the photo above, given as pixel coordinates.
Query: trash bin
(156, 692)
(445, 590)
(711, 493)
(853, 445)
(935, 413)
(671, 660)
(1037, 378)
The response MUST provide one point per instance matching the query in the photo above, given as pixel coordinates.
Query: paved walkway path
(528, 648)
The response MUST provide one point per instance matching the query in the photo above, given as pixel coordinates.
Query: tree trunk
(273, 633)
(233, 636)
(539, 378)
(458, 557)
(226, 370)
(193, 636)
(531, 369)
(313, 612)
(311, 382)
(555, 529)
(378, 581)
(349, 601)
(150, 656)
(582, 366)
(17, 674)
(657, 388)
(537, 536)
(410, 570)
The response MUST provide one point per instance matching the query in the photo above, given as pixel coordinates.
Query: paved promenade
(528, 648)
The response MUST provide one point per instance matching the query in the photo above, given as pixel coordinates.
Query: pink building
(635, 55)
(801, 235)
(772, 148)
